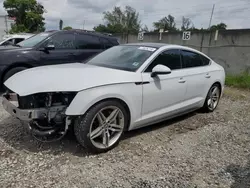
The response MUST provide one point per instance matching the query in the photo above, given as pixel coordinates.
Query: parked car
(123, 88)
(14, 38)
(50, 48)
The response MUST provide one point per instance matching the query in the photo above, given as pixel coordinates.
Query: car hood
(67, 77)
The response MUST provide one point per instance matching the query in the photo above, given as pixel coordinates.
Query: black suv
(52, 47)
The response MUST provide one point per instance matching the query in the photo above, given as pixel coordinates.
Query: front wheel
(212, 99)
(101, 128)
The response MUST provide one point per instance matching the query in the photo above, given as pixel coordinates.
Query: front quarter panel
(130, 93)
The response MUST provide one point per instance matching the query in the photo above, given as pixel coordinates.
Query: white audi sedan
(123, 88)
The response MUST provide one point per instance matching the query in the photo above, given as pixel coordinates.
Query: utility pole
(83, 24)
(212, 13)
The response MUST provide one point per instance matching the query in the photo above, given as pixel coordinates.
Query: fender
(125, 92)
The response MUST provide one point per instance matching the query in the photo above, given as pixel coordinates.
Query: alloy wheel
(213, 99)
(106, 127)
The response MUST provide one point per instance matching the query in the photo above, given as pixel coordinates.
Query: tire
(10, 73)
(84, 126)
(210, 105)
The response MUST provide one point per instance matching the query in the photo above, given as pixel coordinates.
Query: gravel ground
(196, 150)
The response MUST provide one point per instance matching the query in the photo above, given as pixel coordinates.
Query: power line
(204, 11)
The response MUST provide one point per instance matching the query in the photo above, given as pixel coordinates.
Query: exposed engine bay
(43, 112)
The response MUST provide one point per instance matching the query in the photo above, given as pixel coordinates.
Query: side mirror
(49, 47)
(160, 69)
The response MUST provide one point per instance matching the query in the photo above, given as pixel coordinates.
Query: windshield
(34, 40)
(123, 57)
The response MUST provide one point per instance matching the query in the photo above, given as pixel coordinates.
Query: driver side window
(62, 41)
(169, 58)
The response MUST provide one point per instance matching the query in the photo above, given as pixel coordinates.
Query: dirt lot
(197, 150)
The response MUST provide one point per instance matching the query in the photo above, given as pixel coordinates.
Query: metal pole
(6, 24)
(211, 17)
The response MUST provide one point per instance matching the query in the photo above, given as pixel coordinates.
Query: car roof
(154, 45)
(85, 32)
(21, 35)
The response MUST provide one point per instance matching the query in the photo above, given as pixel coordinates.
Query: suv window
(107, 44)
(84, 41)
(17, 40)
(62, 41)
(205, 60)
(169, 58)
(191, 59)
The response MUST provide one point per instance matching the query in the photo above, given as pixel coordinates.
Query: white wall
(3, 27)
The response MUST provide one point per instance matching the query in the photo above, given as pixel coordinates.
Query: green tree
(120, 21)
(166, 23)
(28, 14)
(60, 25)
(186, 24)
(67, 28)
(220, 26)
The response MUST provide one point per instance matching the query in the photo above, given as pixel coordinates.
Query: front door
(163, 94)
(64, 52)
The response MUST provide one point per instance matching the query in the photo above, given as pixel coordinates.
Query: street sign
(161, 31)
(186, 35)
(140, 36)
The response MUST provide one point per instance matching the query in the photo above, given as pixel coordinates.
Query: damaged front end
(44, 113)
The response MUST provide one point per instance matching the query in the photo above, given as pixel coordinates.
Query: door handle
(181, 80)
(207, 76)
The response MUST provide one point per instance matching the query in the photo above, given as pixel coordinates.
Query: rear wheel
(213, 98)
(101, 128)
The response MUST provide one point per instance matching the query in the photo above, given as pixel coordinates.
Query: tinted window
(8, 42)
(107, 44)
(170, 58)
(34, 40)
(123, 57)
(62, 41)
(191, 59)
(17, 40)
(88, 42)
(205, 60)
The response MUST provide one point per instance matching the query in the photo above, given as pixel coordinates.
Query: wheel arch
(12, 66)
(74, 109)
(124, 104)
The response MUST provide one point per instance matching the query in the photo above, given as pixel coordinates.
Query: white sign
(140, 36)
(161, 30)
(147, 48)
(186, 35)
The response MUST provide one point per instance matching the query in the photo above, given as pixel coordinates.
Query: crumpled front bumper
(28, 114)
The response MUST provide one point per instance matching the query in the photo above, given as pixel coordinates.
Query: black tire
(10, 73)
(206, 107)
(83, 123)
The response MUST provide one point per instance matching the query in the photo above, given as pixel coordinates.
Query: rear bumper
(29, 114)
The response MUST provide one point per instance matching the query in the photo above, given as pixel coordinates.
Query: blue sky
(77, 13)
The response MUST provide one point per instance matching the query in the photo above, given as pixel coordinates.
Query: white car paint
(11, 38)
(167, 96)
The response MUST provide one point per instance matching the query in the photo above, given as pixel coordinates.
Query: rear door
(64, 52)
(197, 75)
(87, 46)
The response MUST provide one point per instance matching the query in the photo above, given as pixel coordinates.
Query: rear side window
(106, 43)
(17, 40)
(191, 59)
(169, 58)
(205, 60)
(88, 42)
